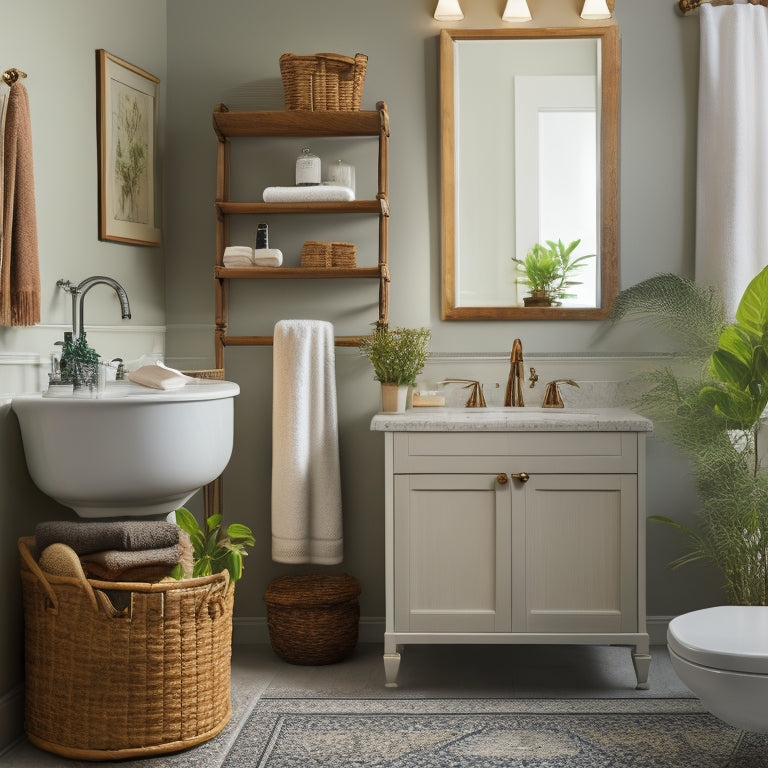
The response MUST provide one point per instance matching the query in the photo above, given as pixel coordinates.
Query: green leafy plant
(215, 549)
(549, 268)
(397, 354)
(78, 360)
(713, 415)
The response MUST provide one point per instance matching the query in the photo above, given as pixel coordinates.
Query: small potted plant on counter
(398, 356)
(547, 270)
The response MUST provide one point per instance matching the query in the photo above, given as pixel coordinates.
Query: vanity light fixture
(449, 10)
(516, 11)
(595, 9)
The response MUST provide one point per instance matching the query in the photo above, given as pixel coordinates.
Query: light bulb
(516, 10)
(595, 9)
(448, 10)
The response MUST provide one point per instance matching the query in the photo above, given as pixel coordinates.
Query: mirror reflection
(529, 123)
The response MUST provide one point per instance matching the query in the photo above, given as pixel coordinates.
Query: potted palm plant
(547, 271)
(398, 356)
(713, 415)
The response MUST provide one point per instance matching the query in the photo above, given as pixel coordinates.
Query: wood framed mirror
(529, 123)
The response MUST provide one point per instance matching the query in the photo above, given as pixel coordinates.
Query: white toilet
(721, 654)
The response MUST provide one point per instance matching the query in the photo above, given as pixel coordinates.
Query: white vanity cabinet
(515, 528)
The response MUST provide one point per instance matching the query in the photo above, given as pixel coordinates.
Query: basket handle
(31, 563)
(80, 579)
(216, 593)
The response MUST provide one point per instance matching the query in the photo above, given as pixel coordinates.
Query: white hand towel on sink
(306, 487)
(158, 377)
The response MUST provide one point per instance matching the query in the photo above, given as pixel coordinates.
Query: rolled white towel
(158, 377)
(267, 257)
(238, 256)
(316, 194)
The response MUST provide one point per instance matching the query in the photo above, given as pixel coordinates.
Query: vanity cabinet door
(452, 553)
(579, 573)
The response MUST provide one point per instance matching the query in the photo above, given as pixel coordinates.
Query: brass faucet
(514, 394)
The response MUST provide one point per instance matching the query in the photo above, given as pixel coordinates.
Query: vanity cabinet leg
(641, 660)
(391, 661)
(391, 668)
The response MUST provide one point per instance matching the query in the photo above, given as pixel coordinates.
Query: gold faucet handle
(552, 398)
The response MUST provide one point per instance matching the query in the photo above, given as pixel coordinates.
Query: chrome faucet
(78, 299)
(514, 394)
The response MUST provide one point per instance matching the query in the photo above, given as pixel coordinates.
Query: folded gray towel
(125, 535)
(118, 560)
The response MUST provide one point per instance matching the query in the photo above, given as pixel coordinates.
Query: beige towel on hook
(19, 259)
(306, 485)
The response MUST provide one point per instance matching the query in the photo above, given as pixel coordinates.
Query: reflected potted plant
(398, 356)
(547, 271)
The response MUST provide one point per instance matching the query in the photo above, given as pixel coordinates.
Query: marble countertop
(501, 419)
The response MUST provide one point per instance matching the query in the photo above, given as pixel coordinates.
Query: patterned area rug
(491, 733)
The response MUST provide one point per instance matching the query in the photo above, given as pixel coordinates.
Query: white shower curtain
(732, 182)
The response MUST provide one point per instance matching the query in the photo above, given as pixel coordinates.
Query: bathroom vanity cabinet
(229, 125)
(507, 527)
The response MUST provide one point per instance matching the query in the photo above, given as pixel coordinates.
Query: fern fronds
(678, 307)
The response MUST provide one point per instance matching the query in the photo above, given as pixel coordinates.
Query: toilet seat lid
(728, 637)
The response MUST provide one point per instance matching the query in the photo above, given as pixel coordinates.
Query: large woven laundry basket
(104, 684)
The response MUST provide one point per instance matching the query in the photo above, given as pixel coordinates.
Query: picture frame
(127, 111)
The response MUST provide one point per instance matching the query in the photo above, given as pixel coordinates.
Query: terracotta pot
(393, 397)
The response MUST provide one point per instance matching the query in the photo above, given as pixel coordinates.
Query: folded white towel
(267, 257)
(315, 194)
(158, 377)
(238, 250)
(238, 261)
(238, 256)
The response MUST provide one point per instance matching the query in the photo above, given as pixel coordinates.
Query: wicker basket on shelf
(315, 253)
(325, 81)
(313, 619)
(109, 684)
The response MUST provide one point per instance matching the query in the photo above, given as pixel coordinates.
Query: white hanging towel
(732, 178)
(306, 485)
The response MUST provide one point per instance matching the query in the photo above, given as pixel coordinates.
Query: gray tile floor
(450, 671)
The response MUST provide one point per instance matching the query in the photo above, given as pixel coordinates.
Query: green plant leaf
(752, 312)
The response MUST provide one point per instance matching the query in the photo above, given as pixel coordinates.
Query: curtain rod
(686, 6)
(10, 76)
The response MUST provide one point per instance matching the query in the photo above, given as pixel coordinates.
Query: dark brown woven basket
(108, 685)
(325, 81)
(313, 619)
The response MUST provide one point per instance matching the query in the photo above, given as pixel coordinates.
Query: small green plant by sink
(396, 354)
(547, 270)
(215, 549)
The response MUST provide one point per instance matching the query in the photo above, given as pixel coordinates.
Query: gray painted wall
(206, 52)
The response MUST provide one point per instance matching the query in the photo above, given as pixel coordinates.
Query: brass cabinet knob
(501, 478)
(523, 477)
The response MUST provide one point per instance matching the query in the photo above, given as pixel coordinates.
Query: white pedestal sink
(131, 451)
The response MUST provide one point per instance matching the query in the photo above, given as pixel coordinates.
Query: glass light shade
(516, 10)
(595, 9)
(448, 10)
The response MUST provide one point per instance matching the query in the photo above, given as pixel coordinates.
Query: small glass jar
(307, 169)
(342, 174)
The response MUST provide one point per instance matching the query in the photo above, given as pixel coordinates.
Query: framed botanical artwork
(127, 106)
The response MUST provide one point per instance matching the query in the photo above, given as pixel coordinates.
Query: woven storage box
(315, 253)
(313, 619)
(103, 685)
(325, 81)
